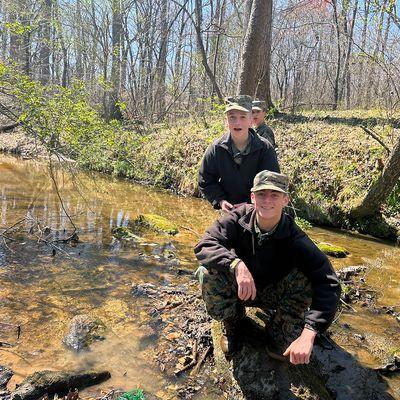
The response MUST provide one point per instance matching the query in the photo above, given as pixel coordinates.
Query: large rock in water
(56, 382)
(83, 330)
(333, 373)
(156, 223)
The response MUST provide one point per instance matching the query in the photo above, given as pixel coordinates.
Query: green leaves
(132, 395)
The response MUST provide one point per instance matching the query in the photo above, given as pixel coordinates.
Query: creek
(42, 292)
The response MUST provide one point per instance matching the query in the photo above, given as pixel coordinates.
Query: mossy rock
(155, 222)
(333, 251)
(125, 233)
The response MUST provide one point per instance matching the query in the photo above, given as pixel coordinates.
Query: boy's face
(269, 203)
(238, 122)
(258, 117)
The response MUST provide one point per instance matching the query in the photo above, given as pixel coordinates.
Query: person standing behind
(258, 112)
(231, 162)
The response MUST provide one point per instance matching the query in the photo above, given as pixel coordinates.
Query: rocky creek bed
(174, 317)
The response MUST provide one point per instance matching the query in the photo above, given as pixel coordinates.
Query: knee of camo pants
(294, 294)
(219, 291)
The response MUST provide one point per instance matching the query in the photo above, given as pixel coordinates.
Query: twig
(348, 305)
(58, 194)
(376, 137)
(338, 316)
(12, 226)
(8, 238)
(192, 363)
(190, 230)
(6, 344)
(16, 327)
(18, 355)
(196, 369)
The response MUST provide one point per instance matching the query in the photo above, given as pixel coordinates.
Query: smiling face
(269, 205)
(258, 117)
(238, 123)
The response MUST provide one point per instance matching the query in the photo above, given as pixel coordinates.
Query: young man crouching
(256, 256)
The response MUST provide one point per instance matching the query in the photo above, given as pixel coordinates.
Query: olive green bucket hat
(270, 180)
(240, 103)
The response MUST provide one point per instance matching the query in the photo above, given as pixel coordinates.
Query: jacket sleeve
(269, 160)
(324, 281)
(209, 177)
(215, 248)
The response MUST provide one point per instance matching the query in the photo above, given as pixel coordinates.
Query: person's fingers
(286, 352)
(242, 292)
(228, 206)
(253, 291)
(245, 292)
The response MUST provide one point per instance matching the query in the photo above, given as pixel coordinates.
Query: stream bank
(329, 158)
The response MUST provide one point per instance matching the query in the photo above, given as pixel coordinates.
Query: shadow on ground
(351, 121)
(332, 374)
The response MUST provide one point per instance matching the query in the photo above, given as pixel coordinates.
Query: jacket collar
(226, 141)
(261, 126)
(247, 222)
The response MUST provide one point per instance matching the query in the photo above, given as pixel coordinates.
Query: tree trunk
(202, 50)
(339, 56)
(219, 18)
(44, 54)
(78, 41)
(361, 64)
(256, 39)
(346, 69)
(14, 40)
(264, 88)
(380, 190)
(114, 108)
(161, 67)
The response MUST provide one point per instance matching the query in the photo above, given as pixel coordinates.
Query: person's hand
(245, 282)
(238, 205)
(299, 351)
(225, 205)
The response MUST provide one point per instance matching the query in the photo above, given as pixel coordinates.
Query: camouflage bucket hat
(259, 105)
(240, 103)
(270, 180)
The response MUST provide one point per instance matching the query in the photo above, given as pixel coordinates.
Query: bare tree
(255, 58)
(115, 81)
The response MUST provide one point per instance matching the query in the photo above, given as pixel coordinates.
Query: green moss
(123, 232)
(333, 251)
(157, 223)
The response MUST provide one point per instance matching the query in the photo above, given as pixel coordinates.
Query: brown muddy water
(42, 292)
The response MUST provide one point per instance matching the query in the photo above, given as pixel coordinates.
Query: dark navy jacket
(233, 236)
(220, 178)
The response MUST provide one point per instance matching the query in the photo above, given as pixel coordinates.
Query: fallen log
(56, 382)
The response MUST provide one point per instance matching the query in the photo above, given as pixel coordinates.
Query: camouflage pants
(288, 299)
